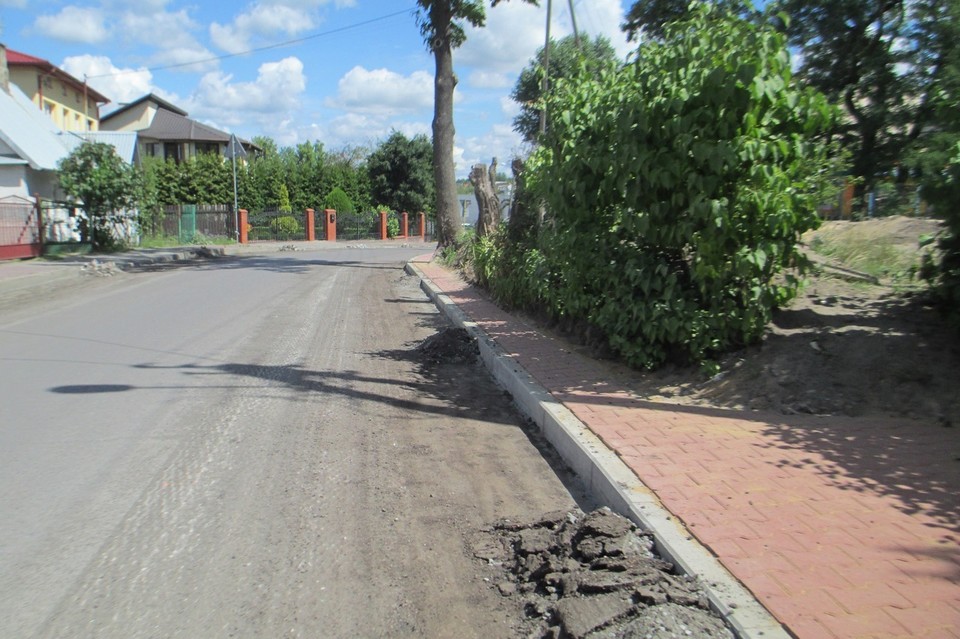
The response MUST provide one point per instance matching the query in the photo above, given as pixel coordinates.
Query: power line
(268, 47)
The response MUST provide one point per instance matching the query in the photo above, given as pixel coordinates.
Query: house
(165, 131)
(70, 103)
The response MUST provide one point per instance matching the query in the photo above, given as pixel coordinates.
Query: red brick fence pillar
(330, 224)
(242, 226)
(383, 224)
(311, 230)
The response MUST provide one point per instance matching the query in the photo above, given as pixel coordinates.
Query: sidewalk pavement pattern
(845, 528)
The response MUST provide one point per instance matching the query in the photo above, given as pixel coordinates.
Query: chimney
(4, 71)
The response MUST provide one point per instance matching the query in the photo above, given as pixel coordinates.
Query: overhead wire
(268, 47)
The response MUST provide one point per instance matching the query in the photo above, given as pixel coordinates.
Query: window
(171, 151)
(207, 147)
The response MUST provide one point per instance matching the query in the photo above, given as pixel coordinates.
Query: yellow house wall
(61, 101)
(135, 119)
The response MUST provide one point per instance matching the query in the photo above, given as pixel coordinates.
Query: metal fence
(357, 226)
(277, 226)
(190, 222)
(19, 229)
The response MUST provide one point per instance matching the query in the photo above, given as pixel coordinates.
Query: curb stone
(609, 479)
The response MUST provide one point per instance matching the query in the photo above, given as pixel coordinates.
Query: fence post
(846, 200)
(423, 225)
(330, 224)
(36, 196)
(311, 233)
(383, 224)
(405, 226)
(242, 226)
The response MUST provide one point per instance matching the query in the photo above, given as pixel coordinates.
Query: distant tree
(401, 173)
(565, 60)
(887, 62)
(339, 201)
(103, 184)
(648, 17)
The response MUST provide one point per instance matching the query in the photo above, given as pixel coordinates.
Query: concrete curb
(609, 479)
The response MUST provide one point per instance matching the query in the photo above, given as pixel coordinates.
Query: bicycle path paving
(841, 527)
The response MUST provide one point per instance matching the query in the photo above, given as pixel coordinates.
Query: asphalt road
(251, 448)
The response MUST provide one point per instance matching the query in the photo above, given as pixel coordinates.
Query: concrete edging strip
(608, 477)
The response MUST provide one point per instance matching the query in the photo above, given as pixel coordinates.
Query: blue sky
(359, 71)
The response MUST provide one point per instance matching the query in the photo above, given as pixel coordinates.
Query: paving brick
(843, 527)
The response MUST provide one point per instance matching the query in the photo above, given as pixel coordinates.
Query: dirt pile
(845, 346)
(593, 576)
(449, 346)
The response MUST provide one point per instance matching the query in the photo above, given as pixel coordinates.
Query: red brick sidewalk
(845, 528)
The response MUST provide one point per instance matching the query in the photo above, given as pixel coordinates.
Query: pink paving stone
(854, 518)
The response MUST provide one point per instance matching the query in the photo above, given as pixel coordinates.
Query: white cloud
(172, 33)
(500, 142)
(263, 20)
(490, 80)
(509, 107)
(14, 4)
(383, 91)
(74, 24)
(510, 38)
(118, 84)
(277, 89)
(515, 30)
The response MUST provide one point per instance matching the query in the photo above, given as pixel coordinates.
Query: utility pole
(545, 84)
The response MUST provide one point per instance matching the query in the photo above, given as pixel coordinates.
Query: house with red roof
(71, 103)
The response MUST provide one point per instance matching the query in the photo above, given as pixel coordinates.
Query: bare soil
(845, 346)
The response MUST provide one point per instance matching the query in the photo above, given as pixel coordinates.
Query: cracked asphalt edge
(612, 482)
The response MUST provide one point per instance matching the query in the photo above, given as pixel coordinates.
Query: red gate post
(383, 225)
(330, 222)
(423, 225)
(406, 226)
(311, 231)
(242, 224)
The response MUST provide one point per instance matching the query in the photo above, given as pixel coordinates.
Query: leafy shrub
(287, 226)
(678, 187)
(339, 201)
(943, 193)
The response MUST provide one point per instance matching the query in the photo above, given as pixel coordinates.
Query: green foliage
(105, 186)
(393, 227)
(283, 199)
(943, 192)
(339, 201)
(401, 173)
(566, 58)
(287, 227)
(678, 187)
(650, 17)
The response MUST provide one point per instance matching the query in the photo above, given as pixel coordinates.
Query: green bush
(677, 188)
(287, 227)
(943, 193)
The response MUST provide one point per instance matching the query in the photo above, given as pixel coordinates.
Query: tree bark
(485, 189)
(523, 211)
(444, 82)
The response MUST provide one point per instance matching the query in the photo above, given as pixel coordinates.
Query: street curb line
(608, 478)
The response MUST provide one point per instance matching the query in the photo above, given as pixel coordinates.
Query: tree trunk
(444, 82)
(485, 189)
(524, 214)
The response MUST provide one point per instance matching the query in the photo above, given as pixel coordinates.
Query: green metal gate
(188, 223)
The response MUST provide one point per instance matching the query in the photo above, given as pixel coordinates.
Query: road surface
(249, 447)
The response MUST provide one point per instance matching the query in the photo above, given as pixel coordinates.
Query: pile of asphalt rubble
(449, 346)
(594, 576)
